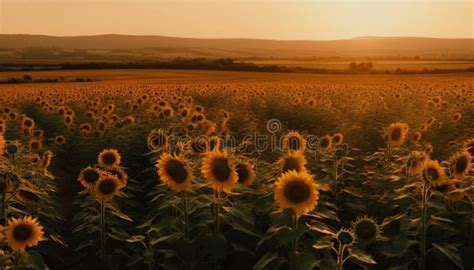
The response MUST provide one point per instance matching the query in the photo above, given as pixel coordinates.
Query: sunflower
(246, 173)
(121, 175)
(337, 138)
(345, 236)
(27, 123)
(469, 146)
(461, 164)
(366, 230)
(293, 160)
(35, 144)
(325, 142)
(23, 232)
(59, 140)
(296, 190)
(397, 133)
(434, 173)
(294, 141)
(219, 170)
(416, 162)
(26, 193)
(107, 187)
(89, 176)
(109, 158)
(174, 172)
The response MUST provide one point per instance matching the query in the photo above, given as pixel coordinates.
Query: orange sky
(283, 19)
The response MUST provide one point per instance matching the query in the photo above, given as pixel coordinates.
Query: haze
(300, 20)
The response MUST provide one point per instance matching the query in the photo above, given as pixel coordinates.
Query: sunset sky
(284, 19)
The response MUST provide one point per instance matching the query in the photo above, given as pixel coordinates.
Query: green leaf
(450, 251)
(136, 238)
(360, 256)
(35, 260)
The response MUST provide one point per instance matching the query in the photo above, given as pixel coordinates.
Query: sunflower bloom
(174, 172)
(107, 187)
(89, 176)
(23, 232)
(297, 191)
(461, 164)
(416, 162)
(434, 173)
(366, 230)
(109, 158)
(293, 161)
(397, 133)
(246, 173)
(219, 170)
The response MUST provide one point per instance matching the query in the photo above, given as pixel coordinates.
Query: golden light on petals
(109, 158)
(174, 172)
(107, 187)
(396, 134)
(296, 190)
(218, 168)
(23, 232)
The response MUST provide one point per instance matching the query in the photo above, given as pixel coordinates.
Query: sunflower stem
(186, 222)
(185, 215)
(216, 212)
(340, 254)
(388, 157)
(102, 231)
(336, 183)
(423, 224)
(294, 245)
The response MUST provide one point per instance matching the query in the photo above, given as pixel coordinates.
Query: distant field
(378, 65)
(181, 76)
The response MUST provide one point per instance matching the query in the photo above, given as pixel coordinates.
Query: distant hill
(120, 47)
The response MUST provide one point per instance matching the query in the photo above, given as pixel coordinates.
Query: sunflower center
(176, 171)
(296, 191)
(242, 172)
(461, 164)
(366, 230)
(109, 159)
(220, 169)
(91, 176)
(432, 174)
(396, 134)
(107, 186)
(291, 164)
(22, 232)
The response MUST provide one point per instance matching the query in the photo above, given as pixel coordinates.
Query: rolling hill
(122, 47)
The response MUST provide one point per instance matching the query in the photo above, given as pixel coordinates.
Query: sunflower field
(338, 173)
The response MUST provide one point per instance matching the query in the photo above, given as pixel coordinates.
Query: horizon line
(229, 38)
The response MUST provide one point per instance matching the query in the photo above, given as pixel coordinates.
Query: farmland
(164, 169)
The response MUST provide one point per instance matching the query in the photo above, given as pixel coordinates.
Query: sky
(283, 19)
